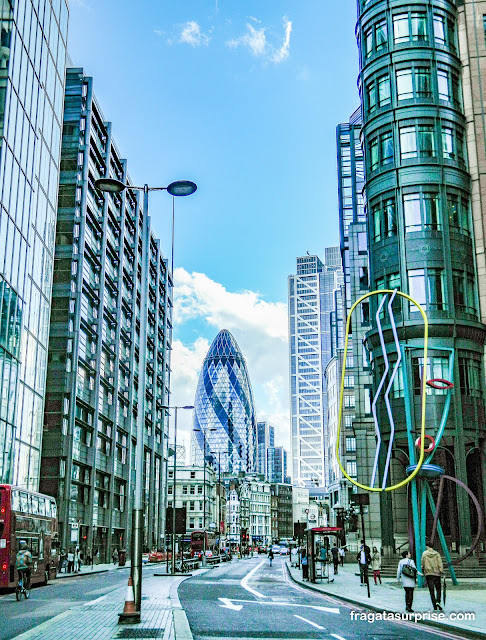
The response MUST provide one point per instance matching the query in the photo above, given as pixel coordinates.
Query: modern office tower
(92, 395)
(32, 63)
(265, 439)
(282, 512)
(421, 240)
(277, 465)
(224, 416)
(311, 301)
(357, 421)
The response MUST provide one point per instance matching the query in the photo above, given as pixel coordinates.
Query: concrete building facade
(92, 395)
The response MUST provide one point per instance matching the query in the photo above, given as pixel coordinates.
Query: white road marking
(317, 626)
(248, 576)
(227, 604)
(282, 604)
(335, 635)
(88, 604)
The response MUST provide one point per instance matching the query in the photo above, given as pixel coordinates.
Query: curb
(78, 574)
(182, 630)
(429, 623)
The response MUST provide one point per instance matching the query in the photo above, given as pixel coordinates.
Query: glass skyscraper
(311, 303)
(265, 439)
(32, 65)
(224, 416)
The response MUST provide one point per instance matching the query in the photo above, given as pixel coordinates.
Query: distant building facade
(92, 396)
(224, 415)
(283, 523)
(311, 301)
(276, 465)
(265, 439)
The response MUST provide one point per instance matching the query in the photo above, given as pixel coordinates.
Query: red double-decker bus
(26, 515)
(202, 540)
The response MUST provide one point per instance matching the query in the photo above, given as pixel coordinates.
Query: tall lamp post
(172, 565)
(179, 188)
(219, 498)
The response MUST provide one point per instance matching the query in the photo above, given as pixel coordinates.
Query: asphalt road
(249, 600)
(46, 602)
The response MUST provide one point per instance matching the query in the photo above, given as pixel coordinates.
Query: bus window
(24, 502)
(48, 508)
(53, 509)
(41, 547)
(35, 505)
(15, 501)
(42, 506)
(34, 547)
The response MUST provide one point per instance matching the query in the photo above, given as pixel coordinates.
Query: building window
(351, 468)
(421, 211)
(444, 31)
(350, 443)
(349, 401)
(193, 474)
(437, 367)
(348, 421)
(448, 86)
(410, 27)
(464, 292)
(426, 286)
(470, 377)
(417, 141)
(458, 211)
(378, 92)
(453, 144)
(414, 82)
(381, 150)
(384, 219)
(375, 39)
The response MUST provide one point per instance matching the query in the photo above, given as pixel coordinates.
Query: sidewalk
(162, 615)
(90, 570)
(467, 596)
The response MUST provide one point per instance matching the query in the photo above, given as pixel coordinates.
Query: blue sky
(243, 97)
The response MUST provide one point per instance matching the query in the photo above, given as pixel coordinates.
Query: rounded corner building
(224, 414)
(421, 232)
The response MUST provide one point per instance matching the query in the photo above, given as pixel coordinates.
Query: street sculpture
(421, 472)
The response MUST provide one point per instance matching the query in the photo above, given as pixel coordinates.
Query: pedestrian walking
(335, 557)
(376, 564)
(62, 561)
(270, 556)
(77, 561)
(70, 561)
(114, 555)
(433, 569)
(364, 560)
(342, 554)
(407, 575)
(89, 556)
(305, 564)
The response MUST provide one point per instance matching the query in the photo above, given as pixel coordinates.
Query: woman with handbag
(407, 575)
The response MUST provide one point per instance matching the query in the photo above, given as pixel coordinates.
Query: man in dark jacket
(364, 560)
(335, 558)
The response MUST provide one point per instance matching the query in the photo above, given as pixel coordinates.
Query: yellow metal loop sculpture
(424, 394)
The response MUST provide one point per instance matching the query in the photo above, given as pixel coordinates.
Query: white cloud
(260, 328)
(283, 53)
(191, 34)
(256, 42)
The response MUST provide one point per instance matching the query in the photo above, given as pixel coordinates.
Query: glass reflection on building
(32, 63)
(224, 415)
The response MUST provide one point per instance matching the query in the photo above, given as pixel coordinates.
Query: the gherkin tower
(224, 414)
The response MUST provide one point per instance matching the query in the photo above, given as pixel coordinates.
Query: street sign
(180, 522)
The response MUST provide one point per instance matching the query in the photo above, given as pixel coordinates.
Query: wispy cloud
(283, 53)
(260, 328)
(191, 34)
(255, 40)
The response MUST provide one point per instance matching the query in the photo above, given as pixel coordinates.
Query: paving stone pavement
(98, 619)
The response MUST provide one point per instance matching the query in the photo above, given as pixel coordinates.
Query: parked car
(283, 551)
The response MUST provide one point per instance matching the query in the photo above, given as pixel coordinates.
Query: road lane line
(283, 604)
(335, 635)
(244, 581)
(317, 626)
(227, 604)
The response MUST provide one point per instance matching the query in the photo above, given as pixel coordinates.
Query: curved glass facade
(224, 415)
(419, 216)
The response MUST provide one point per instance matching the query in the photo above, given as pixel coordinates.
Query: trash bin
(122, 557)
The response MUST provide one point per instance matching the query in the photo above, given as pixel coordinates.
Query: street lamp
(218, 495)
(179, 188)
(172, 564)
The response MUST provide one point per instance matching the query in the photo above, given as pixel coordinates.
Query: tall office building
(311, 301)
(421, 232)
(224, 415)
(92, 396)
(265, 439)
(277, 465)
(32, 62)
(353, 231)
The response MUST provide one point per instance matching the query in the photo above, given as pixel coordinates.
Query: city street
(46, 602)
(251, 600)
